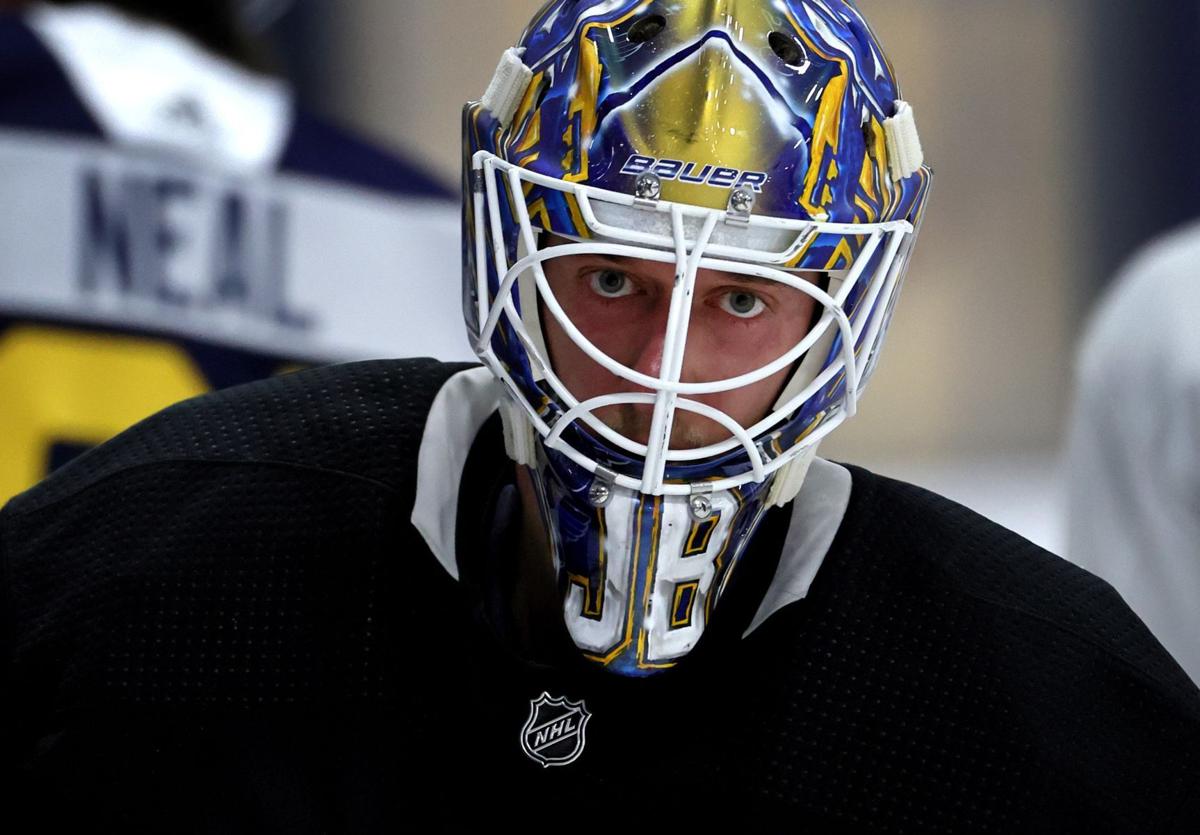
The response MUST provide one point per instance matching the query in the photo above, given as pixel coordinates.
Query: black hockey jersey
(241, 616)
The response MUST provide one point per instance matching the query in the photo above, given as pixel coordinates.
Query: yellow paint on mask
(582, 112)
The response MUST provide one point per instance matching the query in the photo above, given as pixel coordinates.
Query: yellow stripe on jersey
(65, 386)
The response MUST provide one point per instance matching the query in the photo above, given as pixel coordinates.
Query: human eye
(610, 284)
(742, 303)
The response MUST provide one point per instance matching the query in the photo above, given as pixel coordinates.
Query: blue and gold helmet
(765, 139)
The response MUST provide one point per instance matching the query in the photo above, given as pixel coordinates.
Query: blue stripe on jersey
(34, 92)
(221, 366)
(318, 148)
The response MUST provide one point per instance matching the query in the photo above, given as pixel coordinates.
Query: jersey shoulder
(250, 546)
(44, 85)
(915, 541)
(359, 420)
(935, 637)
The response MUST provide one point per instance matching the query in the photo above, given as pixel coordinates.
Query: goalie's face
(737, 324)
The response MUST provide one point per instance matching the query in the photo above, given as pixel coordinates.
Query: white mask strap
(904, 145)
(508, 86)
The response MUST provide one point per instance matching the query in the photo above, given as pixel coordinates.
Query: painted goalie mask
(759, 143)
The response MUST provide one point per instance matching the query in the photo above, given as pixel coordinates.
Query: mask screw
(647, 186)
(599, 493)
(741, 201)
(701, 506)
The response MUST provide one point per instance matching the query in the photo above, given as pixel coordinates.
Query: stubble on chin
(689, 431)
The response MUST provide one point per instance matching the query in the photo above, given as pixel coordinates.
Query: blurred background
(1062, 135)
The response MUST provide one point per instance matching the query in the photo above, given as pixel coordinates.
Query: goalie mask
(680, 161)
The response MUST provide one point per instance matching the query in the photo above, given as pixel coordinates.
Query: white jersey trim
(326, 272)
(470, 397)
(148, 85)
(460, 409)
(817, 514)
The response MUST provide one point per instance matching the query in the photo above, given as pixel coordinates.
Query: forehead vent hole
(647, 28)
(786, 49)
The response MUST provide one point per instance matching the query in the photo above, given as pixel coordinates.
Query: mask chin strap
(789, 478)
(520, 439)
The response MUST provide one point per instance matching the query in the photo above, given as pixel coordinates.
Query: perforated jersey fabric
(223, 621)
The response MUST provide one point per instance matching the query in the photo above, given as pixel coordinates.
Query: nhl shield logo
(553, 733)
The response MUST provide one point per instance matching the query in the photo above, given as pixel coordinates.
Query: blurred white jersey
(1134, 449)
(174, 223)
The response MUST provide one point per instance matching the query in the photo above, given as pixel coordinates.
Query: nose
(647, 342)
(648, 352)
(702, 353)
(649, 339)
